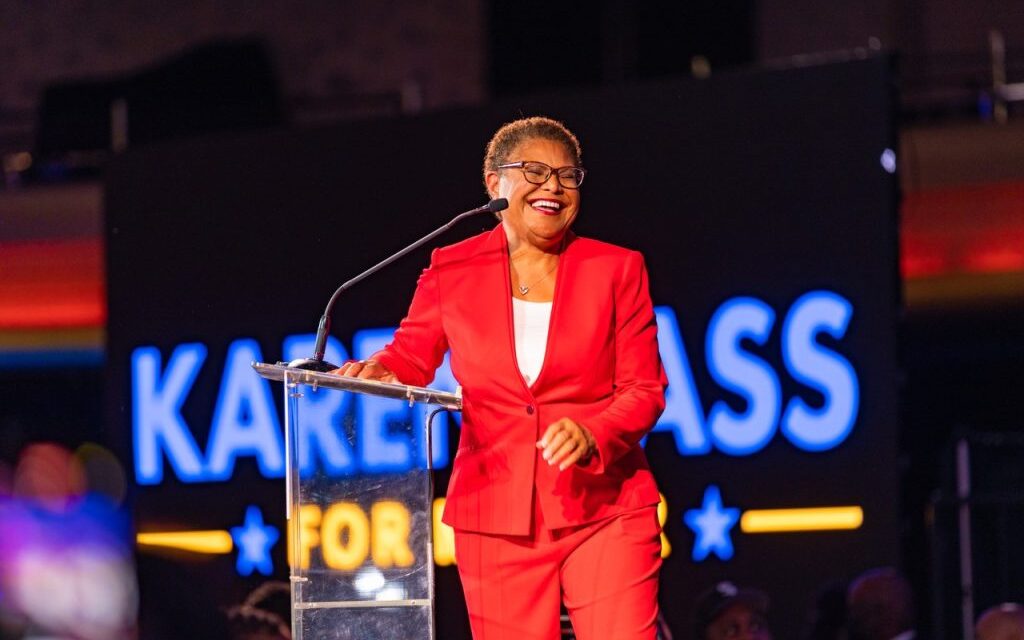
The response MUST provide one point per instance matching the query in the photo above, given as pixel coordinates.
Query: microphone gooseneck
(317, 363)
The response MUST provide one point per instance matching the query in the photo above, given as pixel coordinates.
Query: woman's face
(537, 214)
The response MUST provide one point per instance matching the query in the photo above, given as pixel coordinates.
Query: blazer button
(529, 409)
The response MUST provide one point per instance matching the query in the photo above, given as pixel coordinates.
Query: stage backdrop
(764, 202)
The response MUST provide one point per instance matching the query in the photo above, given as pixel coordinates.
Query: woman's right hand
(367, 370)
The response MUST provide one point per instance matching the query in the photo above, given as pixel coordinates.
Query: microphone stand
(317, 363)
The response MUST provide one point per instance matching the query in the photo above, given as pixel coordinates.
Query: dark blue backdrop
(759, 186)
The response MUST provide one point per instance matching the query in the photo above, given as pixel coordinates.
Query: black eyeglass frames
(539, 173)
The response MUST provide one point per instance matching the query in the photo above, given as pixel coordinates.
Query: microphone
(316, 363)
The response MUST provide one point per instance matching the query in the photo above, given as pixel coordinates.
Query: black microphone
(316, 363)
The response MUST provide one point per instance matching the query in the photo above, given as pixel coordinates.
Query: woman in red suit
(553, 340)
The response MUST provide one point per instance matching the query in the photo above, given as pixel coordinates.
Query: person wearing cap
(727, 612)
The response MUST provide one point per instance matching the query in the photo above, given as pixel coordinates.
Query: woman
(553, 340)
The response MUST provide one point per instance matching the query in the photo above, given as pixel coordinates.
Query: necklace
(525, 289)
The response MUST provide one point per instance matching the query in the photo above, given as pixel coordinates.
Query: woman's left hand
(566, 442)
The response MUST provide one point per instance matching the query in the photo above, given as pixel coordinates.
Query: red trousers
(606, 573)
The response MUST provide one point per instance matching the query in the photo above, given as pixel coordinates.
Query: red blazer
(601, 368)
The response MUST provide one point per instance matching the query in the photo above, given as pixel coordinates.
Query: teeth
(547, 204)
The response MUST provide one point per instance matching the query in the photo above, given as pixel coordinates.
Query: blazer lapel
(565, 276)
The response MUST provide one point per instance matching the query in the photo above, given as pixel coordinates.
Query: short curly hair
(512, 134)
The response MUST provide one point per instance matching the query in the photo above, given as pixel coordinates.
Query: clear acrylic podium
(359, 535)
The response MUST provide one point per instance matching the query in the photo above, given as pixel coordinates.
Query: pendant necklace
(525, 289)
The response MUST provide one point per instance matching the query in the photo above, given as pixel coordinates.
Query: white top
(530, 323)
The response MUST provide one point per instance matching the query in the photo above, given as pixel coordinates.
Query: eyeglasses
(538, 173)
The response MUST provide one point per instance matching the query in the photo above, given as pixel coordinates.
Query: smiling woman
(553, 340)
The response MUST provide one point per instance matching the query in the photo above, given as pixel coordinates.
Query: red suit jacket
(601, 369)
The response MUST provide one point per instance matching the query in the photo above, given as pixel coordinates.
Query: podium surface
(360, 511)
